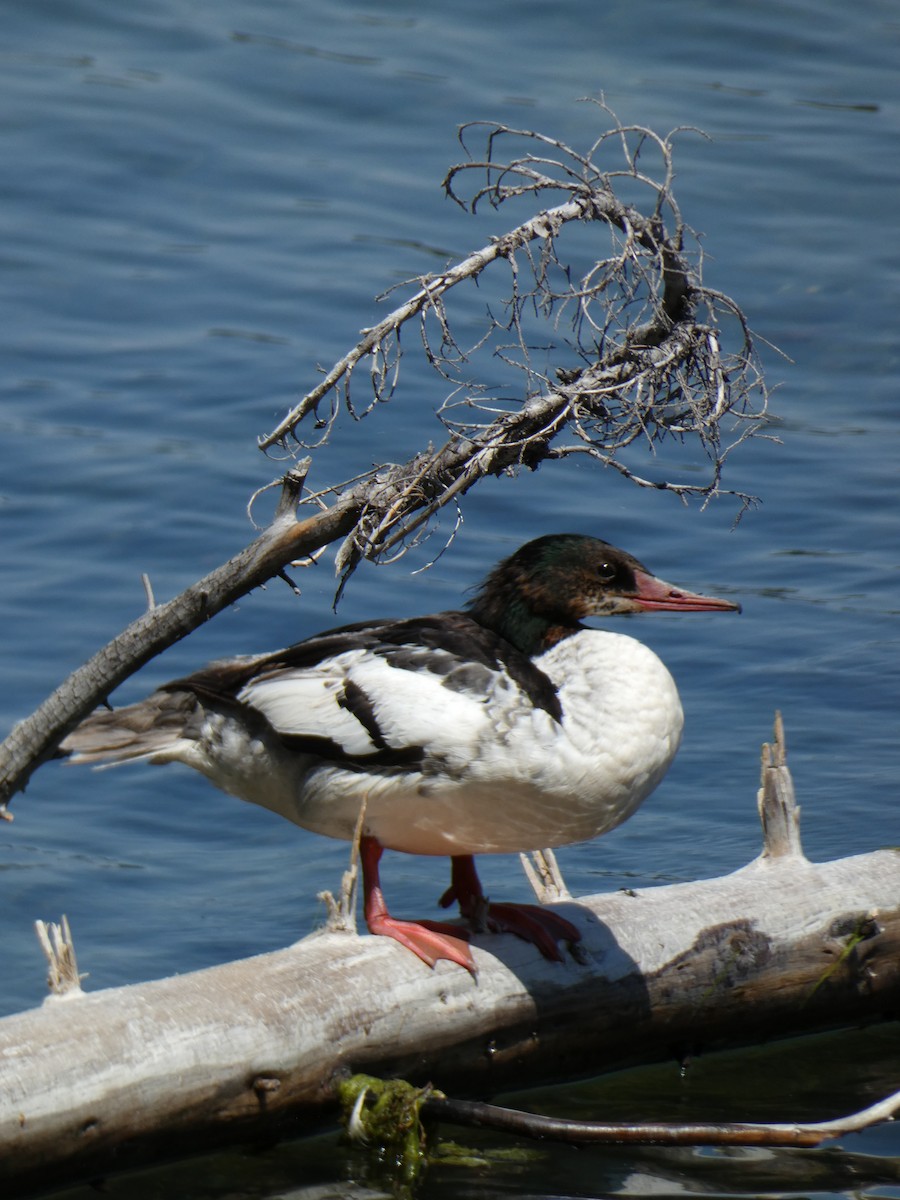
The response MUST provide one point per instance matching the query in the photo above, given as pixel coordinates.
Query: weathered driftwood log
(253, 1049)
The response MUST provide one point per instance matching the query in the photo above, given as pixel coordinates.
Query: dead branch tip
(545, 876)
(779, 812)
(63, 978)
(292, 483)
(642, 350)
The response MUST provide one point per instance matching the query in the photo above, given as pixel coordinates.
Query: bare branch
(640, 349)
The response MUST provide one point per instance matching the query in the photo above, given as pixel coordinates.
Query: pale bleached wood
(543, 873)
(56, 942)
(779, 813)
(254, 1049)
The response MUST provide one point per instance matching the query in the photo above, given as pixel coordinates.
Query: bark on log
(253, 1050)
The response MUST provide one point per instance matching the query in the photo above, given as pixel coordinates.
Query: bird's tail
(154, 729)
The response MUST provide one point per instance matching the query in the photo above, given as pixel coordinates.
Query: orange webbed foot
(543, 927)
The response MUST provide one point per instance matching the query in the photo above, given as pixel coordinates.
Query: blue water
(199, 204)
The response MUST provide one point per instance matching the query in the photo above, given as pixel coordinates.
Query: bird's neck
(505, 606)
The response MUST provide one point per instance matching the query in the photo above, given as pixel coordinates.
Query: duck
(506, 726)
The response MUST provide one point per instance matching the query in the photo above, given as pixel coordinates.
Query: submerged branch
(514, 1121)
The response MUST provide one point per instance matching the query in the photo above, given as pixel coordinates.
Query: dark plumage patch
(387, 761)
(359, 704)
(456, 639)
(468, 644)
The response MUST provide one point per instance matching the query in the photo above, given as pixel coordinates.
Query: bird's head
(544, 591)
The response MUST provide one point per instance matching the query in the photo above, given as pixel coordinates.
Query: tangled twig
(621, 351)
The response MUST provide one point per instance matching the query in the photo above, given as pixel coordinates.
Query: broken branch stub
(63, 978)
(779, 812)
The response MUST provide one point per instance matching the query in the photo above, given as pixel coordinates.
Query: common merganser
(505, 727)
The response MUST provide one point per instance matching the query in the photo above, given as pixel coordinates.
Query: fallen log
(254, 1050)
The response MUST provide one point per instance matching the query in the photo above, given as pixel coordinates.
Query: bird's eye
(606, 572)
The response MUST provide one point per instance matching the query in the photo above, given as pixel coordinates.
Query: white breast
(540, 783)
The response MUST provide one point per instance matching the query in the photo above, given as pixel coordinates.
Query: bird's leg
(541, 926)
(428, 940)
(466, 891)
